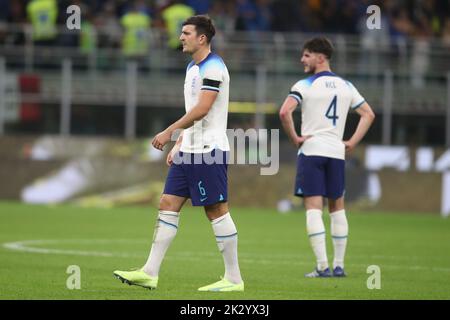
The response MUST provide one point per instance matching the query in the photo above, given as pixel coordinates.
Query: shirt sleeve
(357, 98)
(212, 78)
(297, 91)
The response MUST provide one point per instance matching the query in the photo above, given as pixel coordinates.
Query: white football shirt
(209, 132)
(325, 100)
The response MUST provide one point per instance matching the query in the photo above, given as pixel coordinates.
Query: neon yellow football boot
(223, 286)
(137, 278)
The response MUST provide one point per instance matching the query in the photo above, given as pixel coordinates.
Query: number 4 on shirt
(331, 112)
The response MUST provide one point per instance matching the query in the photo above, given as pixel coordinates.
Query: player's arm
(366, 120)
(287, 121)
(198, 112)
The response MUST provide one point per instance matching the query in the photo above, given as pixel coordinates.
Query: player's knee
(166, 204)
(335, 204)
(217, 210)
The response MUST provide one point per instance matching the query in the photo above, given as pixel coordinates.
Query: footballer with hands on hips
(324, 99)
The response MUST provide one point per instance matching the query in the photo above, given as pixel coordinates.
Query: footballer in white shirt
(192, 174)
(324, 99)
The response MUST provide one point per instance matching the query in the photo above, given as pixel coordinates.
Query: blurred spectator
(108, 26)
(174, 15)
(136, 24)
(14, 13)
(43, 15)
(223, 14)
(401, 26)
(426, 18)
(246, 12)
(403, 22)
(88, 36)
(263, 15)
(329, 16)
(253, 17)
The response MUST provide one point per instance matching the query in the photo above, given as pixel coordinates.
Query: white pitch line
(276, 259)
(26, 246)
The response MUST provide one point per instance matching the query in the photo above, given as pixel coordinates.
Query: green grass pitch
(38, 243)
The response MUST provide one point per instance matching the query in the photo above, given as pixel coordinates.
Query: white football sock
(339, 233)
(227, 239)
(165, 230)
(316, 234)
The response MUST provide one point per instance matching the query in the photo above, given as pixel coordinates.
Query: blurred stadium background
(78, 107)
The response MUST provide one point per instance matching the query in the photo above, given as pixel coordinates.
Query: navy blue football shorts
(200, 177)
(320, 176)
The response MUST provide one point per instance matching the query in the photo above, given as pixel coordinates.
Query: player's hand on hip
(349, 146)
(161, 139)
(300, 139)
